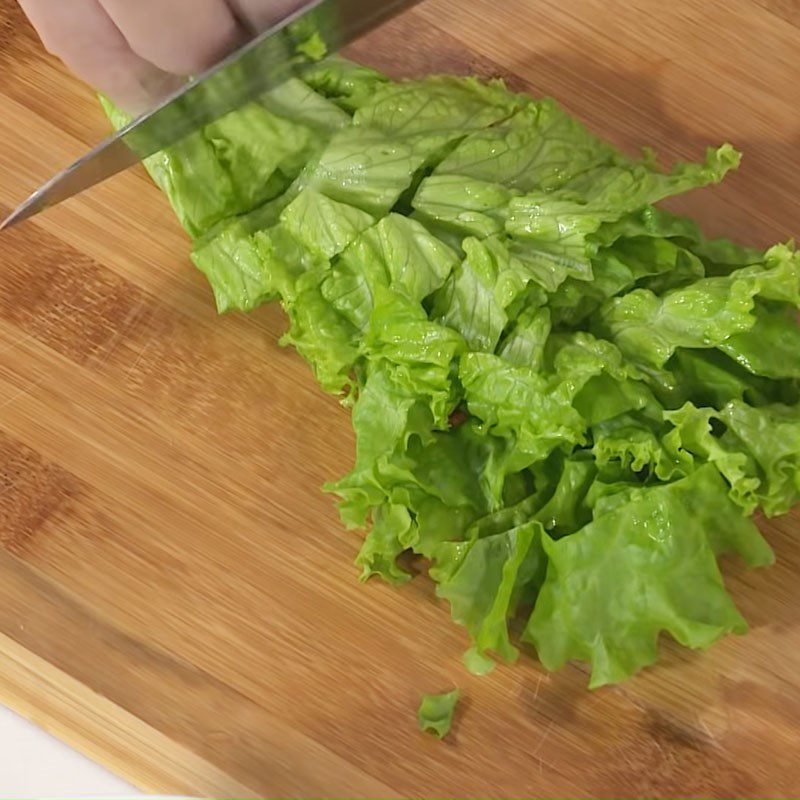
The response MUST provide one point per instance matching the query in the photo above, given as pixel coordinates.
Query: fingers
(261, 14)
(85, 38)
(132, 49)
(180, 36)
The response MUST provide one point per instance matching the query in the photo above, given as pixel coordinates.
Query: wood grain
(177, 597)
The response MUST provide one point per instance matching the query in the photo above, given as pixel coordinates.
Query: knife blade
(264, 62)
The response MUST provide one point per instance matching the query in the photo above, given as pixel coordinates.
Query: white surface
(34, 764)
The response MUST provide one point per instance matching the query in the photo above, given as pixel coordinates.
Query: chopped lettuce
(436, 712)
(615, 584)
(566, 400)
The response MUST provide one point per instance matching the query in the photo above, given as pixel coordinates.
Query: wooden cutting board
(177, 597)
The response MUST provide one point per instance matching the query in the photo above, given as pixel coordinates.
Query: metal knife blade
(258, 66)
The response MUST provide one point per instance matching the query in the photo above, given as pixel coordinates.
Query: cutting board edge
(104, 732)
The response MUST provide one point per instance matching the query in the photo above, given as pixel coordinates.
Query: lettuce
(614, 585)
(565, 399)
(436, 711)
(703, 314)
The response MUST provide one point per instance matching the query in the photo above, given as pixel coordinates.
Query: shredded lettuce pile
(566, 400)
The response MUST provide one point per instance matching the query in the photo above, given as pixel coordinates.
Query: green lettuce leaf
(535, 413)
(613, 586)
(481, 582)
(401, 129)
(236, 163)
(396, 253)
(391, 525)
(539, 147)
(771, 435)
(524, 344)
(704, 314)
(710, 378)
(261, 152)
(561, 225)
(416, 354)
(296, 100)
(477, 298)
(321, 334)
(565, 510)
(344, 83)
(436, 105)
(323, 226)
(638, 444)
(464, 207)
(758, 450)
(771, 347)
(436, 712)
(566, 400)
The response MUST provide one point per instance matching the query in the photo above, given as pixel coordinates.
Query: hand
(137, 51)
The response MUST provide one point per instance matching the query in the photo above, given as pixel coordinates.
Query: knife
(267, 60)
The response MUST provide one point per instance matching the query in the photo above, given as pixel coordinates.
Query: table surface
(177, 597)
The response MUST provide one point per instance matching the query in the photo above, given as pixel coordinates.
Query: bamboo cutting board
(177, 597)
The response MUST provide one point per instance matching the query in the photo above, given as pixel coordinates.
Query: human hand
(137, 51)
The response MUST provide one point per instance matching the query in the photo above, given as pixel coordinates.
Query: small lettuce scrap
(565, 398)
(435, 714)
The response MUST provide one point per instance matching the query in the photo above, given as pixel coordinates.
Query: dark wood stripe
(32, 491)
(61, 297)
(787, 10)
(408, 47)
